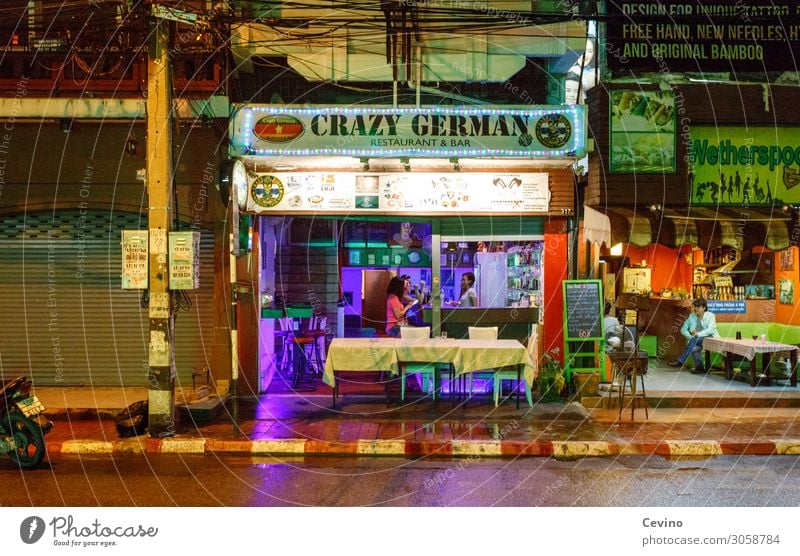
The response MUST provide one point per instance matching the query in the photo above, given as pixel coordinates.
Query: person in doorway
(611, 328)
(701, 324)
(407, 295)
(468, 296)
(395, 309)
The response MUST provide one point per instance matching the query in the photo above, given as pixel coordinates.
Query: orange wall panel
(787, 314)
(669, 266)
(555, 272)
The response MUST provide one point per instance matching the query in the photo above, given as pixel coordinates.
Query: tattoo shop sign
(703, 35)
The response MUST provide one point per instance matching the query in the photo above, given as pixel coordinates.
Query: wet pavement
(695, 415)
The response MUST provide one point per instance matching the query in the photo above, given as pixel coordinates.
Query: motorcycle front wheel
(28, 441)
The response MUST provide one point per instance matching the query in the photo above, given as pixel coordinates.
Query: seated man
(700, 324)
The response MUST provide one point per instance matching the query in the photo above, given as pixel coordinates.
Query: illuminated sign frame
(515, 132)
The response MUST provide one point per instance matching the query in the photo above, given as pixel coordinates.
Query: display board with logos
(418, 193)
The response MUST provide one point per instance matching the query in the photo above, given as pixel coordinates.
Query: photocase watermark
(67, 531)
(8, 128)
(31, 529)
(200, 206)
(666, 344)
(551, 490)
(52, 306)
(483, 8)
(83, 211)
(522, 94)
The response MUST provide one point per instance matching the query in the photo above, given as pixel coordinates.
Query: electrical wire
(179, 300)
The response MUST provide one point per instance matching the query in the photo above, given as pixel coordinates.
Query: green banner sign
(744, 166)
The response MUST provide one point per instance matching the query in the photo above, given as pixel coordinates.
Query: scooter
(22, 424)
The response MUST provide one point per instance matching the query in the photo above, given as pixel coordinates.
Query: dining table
(388, 354)
(748, 349)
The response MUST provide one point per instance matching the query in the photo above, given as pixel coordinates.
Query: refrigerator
(491, 279)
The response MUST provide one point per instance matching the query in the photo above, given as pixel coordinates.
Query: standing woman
(468, 296)
(395, 310)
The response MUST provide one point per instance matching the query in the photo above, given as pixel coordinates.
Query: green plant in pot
(551, 376)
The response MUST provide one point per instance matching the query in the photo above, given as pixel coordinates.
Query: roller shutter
(66, 320)
(492, 226)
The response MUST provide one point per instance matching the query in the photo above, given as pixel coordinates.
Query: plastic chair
(426, 371)
(501, 375)
(481, 333)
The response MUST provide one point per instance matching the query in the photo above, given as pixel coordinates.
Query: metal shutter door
(67, 322)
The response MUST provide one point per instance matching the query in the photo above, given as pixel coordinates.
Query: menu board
(583, 314)
(417, 192)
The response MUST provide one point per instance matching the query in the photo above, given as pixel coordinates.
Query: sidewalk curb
(561, 450)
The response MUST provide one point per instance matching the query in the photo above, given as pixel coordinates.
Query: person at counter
(701, 324)
(468, 296)
(395, 309)
(411, 296)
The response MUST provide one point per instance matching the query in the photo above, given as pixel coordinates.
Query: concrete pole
(234, 386)
(161, 380)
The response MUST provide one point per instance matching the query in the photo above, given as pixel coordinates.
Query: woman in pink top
(395, 310)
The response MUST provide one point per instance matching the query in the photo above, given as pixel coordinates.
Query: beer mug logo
(31, 529)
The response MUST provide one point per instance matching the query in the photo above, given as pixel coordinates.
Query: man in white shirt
(700, 324)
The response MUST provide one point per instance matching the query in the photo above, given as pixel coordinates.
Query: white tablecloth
(746, 348)
(385, 354)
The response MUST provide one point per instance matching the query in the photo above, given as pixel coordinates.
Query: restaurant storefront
(340, 199)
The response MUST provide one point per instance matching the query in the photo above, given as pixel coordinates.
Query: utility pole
(161, 351)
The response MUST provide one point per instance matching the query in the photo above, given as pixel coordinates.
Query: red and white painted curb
(570, 449)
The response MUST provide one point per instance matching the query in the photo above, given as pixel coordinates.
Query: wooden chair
(629, 365)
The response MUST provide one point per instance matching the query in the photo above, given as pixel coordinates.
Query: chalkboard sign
(583, 310)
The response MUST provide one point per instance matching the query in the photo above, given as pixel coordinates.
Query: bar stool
(628, 365)
(303, 348)
(316, 331)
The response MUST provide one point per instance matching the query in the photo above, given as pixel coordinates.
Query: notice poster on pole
(184, 260)
(134, 260)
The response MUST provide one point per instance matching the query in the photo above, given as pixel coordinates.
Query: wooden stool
(629, 365)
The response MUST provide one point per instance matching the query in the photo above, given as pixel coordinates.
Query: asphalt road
(208, 481)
